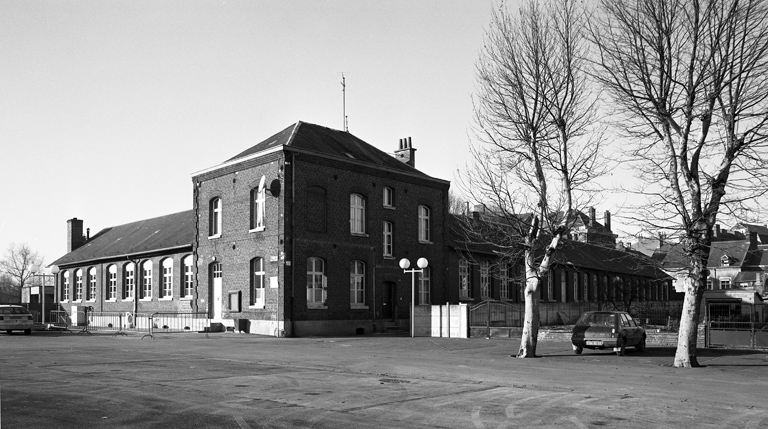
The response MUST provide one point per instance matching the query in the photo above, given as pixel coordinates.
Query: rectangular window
(550, 286)
(316, 282)
(424, 232)
(388, 238)
(464, 291)
(425, 286)
(234, 302)
(563, 285)
(357, 214)
(65, 287)
(357, 283)
(146, 281)
(725, 283)
(389, 197)
(214, 218)
(258, 206)
(575, 287)
(485, 280)
(503, 282)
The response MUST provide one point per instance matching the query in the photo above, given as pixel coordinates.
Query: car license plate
(594, 343)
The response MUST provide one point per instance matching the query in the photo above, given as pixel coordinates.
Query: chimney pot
(406, 153)
(607, 220)
(592, 216)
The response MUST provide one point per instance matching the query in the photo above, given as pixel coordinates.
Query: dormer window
(725, 261)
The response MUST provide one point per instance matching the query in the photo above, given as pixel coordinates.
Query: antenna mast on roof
(344, 101)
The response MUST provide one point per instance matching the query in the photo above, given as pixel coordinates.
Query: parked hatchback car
(15, 318)
(601, 330)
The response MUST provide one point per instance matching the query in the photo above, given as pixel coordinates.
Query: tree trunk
(685, 356)
(531, 323)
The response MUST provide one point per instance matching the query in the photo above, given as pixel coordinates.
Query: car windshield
(597, 319)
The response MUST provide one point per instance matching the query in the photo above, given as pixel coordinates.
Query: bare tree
(538, 145)
(16, 263)
(9, 292)
(688, 79)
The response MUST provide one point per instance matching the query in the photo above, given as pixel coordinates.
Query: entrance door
(389, 305)
(216, 274)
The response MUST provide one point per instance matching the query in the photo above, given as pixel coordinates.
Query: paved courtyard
(231, 380)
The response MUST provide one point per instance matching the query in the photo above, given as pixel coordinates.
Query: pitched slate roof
(145, 236)
(327, 141)
(739, 251)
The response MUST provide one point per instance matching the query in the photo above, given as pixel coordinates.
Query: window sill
(466, 298)
(77, 301)
(64, 301)
(212, 237)
(111, 300)
(186, 298)
(166, 298)
(91, 300)
(358, 307)
(129, 299)
(256, 307)
(258, 229)
(359, 234)
(390, 257)
(145, 299)
(390, 207)
(425, 242)
(316, 307)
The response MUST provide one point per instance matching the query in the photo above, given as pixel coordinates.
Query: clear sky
(108, 107)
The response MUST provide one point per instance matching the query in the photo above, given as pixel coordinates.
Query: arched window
(91, 293)
(316, 282)
(79, 285)
(258, 206)
(503, 281)
(214, 217)
(357, 214)
(424, 224)
(257, 282)
(188, 276)
(425, 287)
(129, 280)
(167, 291)
(112, 280)
(563, 285)
(146, 280)
(389, 197)
(65, 286)
(357, 283)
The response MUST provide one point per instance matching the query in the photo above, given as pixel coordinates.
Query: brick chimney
(592, 216)
(607, 220)
(75, 236)
(406, 152)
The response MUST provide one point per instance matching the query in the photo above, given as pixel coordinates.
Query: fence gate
(737, 325)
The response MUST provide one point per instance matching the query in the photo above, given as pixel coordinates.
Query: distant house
(738, 260)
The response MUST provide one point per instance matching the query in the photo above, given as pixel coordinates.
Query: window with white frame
(389, 197)
(725, 283)
(188, 276)
(316, 282)
(709, 283)
(425, 286)
(214, 217)
(129, 281)
(257, 282)
(112, 282)
(424, 231)
(79, 285)
(146, 280)
(485, 279)
(464, 278)
(357, 283)
(91, 294)
(65, 286)
(575, 287)
(388, 239)
(258, 206)
(503, 282)
(167, 291)
(356, 214)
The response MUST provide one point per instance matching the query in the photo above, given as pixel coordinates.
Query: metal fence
(490, 313)
(738, 325)
(125, 321)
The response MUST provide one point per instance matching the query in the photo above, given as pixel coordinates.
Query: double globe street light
(404, 264)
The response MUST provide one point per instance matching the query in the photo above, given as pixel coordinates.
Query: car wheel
(622, 348)
(641, 345)
(578, 350)
(28, 331)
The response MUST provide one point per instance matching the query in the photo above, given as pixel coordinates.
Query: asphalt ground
(226, 380)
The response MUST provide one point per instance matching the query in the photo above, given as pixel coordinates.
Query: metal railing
(170, 322)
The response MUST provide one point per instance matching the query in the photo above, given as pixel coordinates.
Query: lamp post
(404, 264)
(55, 271)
